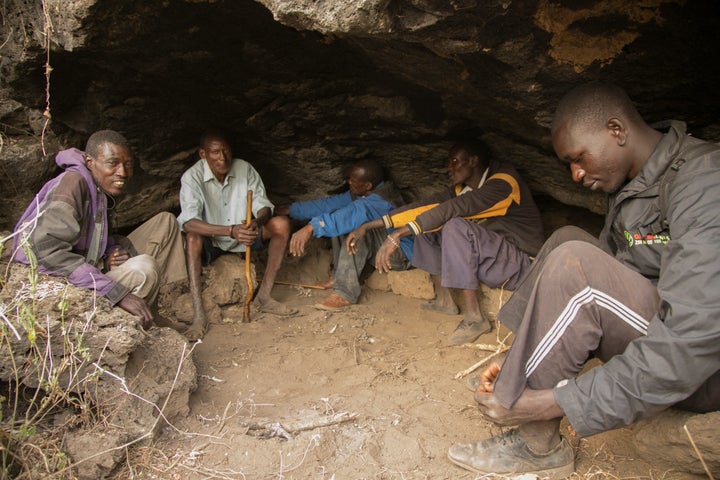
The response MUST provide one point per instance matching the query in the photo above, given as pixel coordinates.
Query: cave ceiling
(309, 85)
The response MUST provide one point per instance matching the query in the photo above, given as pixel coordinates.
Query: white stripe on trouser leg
(558, 328)
(627, 315)
(587, 295)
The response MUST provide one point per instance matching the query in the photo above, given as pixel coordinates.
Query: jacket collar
(665, 152)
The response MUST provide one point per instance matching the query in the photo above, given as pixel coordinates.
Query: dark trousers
(465, 253)
(577, 302)
(348, 268)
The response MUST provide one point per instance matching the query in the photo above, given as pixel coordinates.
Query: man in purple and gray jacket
(66, 229)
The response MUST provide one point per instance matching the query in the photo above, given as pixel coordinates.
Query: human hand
(117, 258)
(532, 406)
(245, 234)
(382, 257)
(353, 238)
(299, 240)
(137, 306)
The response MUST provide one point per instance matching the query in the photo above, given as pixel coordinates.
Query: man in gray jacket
(643, 297)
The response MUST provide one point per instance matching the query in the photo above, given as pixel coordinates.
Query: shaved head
(372, 171)
(101, 137)
(590, 106)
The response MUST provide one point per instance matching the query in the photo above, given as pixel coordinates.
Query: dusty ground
(384, 361)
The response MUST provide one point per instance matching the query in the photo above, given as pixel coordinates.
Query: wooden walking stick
(248, 277)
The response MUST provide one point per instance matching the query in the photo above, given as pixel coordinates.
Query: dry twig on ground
(269, 428)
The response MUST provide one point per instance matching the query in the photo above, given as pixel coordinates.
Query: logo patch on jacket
(636, 239)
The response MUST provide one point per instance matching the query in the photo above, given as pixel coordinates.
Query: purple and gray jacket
(67, 229)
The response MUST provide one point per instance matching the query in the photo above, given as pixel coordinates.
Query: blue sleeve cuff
(318, 227)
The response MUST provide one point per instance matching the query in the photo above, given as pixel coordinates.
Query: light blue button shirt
(204, 198)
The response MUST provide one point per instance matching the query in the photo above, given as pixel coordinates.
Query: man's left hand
(246, 234)
(299, 240)
(137, 306)
(533, 405)
(382, 257)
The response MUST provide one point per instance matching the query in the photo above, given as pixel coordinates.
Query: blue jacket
(341, 214)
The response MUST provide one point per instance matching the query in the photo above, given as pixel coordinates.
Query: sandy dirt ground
(382, 369)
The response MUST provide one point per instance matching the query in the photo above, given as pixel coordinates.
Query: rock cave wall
(308, 85)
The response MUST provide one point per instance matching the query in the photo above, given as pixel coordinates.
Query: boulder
(225, 280)
(79, 351)
(663, 441)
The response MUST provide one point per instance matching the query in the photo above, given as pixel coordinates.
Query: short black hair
(100, 138)
(474, 146)
(372, 171)
(215, 132)
(591, 105)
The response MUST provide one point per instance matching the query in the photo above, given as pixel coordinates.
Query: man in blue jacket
(369, 197)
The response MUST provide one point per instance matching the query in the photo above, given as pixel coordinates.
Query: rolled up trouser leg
(160, 237)
(141, 275)
(584, 302)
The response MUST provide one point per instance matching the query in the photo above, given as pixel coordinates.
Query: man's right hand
(137, 306)
(299, 239)
(353, 237)
(118, 256)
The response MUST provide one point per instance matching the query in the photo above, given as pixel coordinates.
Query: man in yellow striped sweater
(483, 228)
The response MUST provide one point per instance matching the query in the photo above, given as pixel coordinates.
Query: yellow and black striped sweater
(503, 204)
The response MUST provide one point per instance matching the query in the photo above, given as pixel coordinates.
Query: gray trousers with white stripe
(576, 302)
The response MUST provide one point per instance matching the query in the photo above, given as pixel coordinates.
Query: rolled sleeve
(313, 208)
(260, 198)
(346, 219)
(191, 200)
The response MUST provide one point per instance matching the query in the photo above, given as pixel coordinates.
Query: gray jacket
(682, 347)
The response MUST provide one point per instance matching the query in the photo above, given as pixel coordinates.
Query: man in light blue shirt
(213, 202)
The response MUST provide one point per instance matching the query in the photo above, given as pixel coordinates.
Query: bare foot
(161, 321)
(475, 317)
(196, 331)
(325, 285)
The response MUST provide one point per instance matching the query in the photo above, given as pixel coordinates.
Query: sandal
(433, 306)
